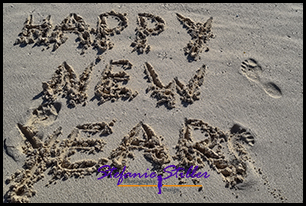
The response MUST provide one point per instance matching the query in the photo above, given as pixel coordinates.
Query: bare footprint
(272, 89)
(30, 130)
(252, 70)
(243, 134)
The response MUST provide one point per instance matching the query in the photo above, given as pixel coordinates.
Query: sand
(147, 86)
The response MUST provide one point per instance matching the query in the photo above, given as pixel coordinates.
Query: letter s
(171, 174)
(105, 173)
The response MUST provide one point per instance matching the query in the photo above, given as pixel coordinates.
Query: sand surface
(167, 86)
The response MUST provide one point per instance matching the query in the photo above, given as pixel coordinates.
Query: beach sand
(169, 85)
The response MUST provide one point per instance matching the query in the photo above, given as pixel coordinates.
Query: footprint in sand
(31, 129)
(252, 70)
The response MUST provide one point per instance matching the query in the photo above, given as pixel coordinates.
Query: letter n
(66, 83)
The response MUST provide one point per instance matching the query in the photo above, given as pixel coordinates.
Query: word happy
(45, 34)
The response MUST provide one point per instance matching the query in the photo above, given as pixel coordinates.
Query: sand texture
(149, 87)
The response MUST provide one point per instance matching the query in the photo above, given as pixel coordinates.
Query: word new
(111, 86)
(171, 173)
